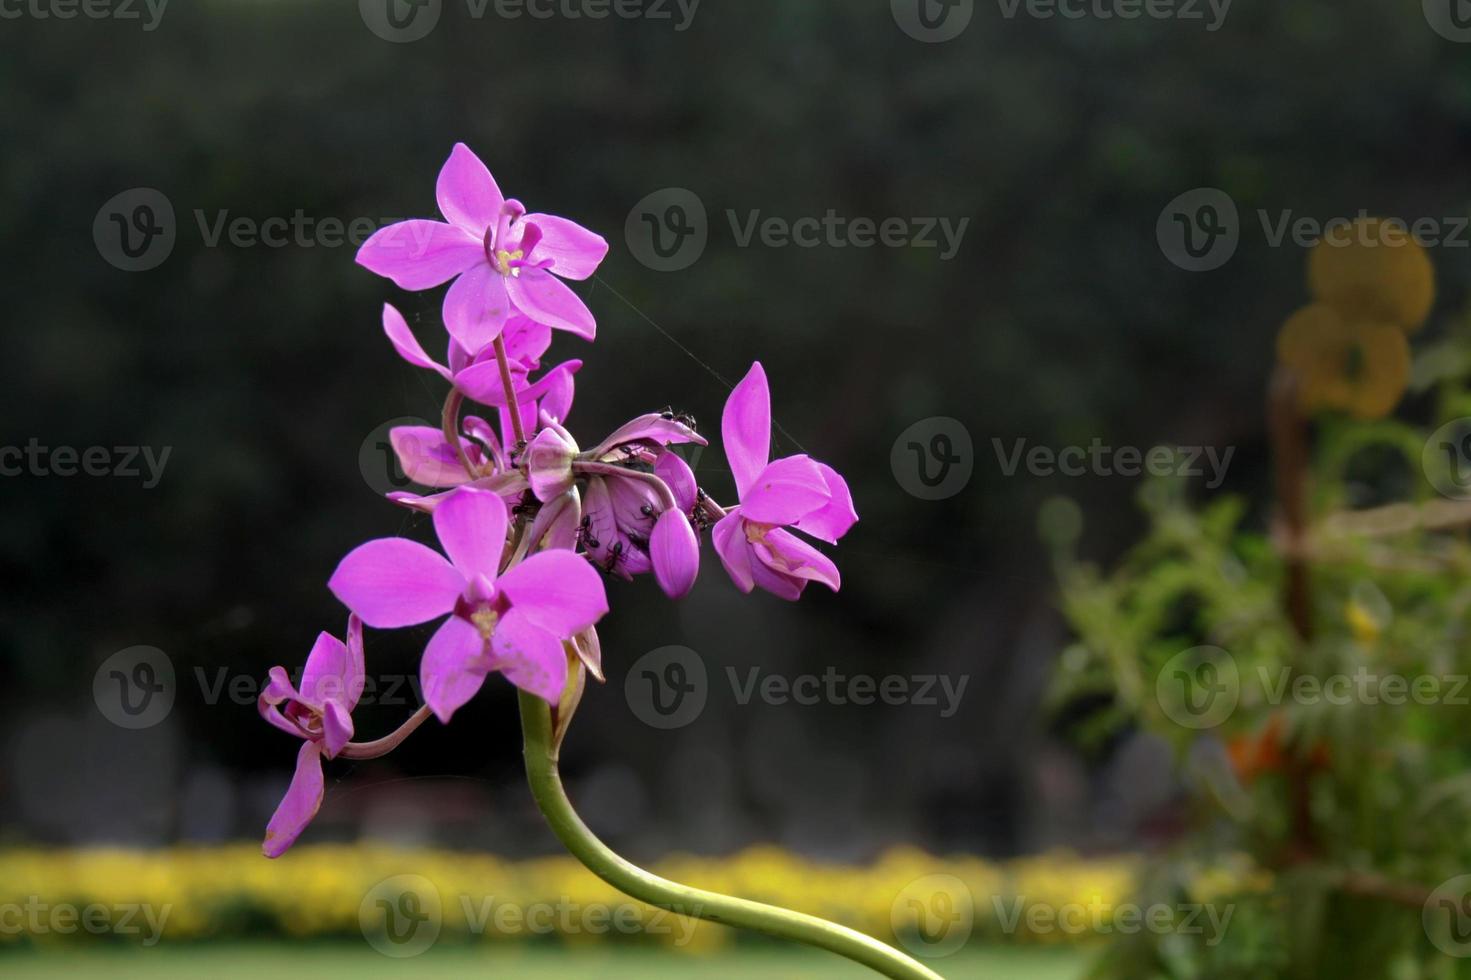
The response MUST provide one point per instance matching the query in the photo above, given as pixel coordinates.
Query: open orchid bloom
(320, 714)
(796, 492)
(501, 259)
(513, 623)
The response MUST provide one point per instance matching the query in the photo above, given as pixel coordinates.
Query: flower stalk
(546, 786)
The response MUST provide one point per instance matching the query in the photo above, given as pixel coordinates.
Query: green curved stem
(551, 798)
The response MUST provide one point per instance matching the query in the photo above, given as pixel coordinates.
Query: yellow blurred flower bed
(321, 891)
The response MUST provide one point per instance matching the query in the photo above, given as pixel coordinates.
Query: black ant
(668, 414)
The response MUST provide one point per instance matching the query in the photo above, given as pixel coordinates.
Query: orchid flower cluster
(527, 521)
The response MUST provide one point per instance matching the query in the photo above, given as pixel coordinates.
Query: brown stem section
(512, 405)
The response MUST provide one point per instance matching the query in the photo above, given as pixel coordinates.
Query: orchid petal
(426, 457)
(557, 590)
(476, 308)
(833, 520)
(652, 428)
(324, 677)
(471, 525)
(734, 550)
(420, 254)
(336, 728)
(529, 656)
(546, 299)
(548, 460)
(575, 252)
(467, 193)
(785, 491)
(745, 428)
(392, 582)
(526, 340)
(408, 347)
(355, 676)
(278, 691)
(302, 801)
(454, 667)
(790, 556)
(677, 475)
(675, 552)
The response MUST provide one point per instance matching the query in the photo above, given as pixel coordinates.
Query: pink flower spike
(500, 259)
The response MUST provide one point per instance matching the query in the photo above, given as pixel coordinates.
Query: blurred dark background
(264, 370)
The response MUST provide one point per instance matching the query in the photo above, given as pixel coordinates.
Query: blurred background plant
(1311, 680)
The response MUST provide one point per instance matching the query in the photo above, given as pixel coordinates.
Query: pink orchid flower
(796, 492)
(500, 258)
(320, 714)
(513, 623)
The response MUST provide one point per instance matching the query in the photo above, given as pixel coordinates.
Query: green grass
(325, 962)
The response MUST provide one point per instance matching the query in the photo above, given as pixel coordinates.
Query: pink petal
(476, 308)
(336, 728)
(467, 193)
(324, 676)
(394, 582)
(471, 525)
(556, 523)
(675, 552)
(425, 457)
(779, 584)
(299, 806)
(785, 491)
(680, 479)
(560, 390)
(734, 550)
(788, 555)
(745, 428)
(408, 347)
(278, 691)
(356, 674)
(832, 521)
(546, 299)
(454, 667)
(652, 429)
(529, 656)
(526, 340)
(548, 460)
(575, 252)
(557, 590)
(589, 650)
(421, 254)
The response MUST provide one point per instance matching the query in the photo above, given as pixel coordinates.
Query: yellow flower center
(504, 258)
(484, 620)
